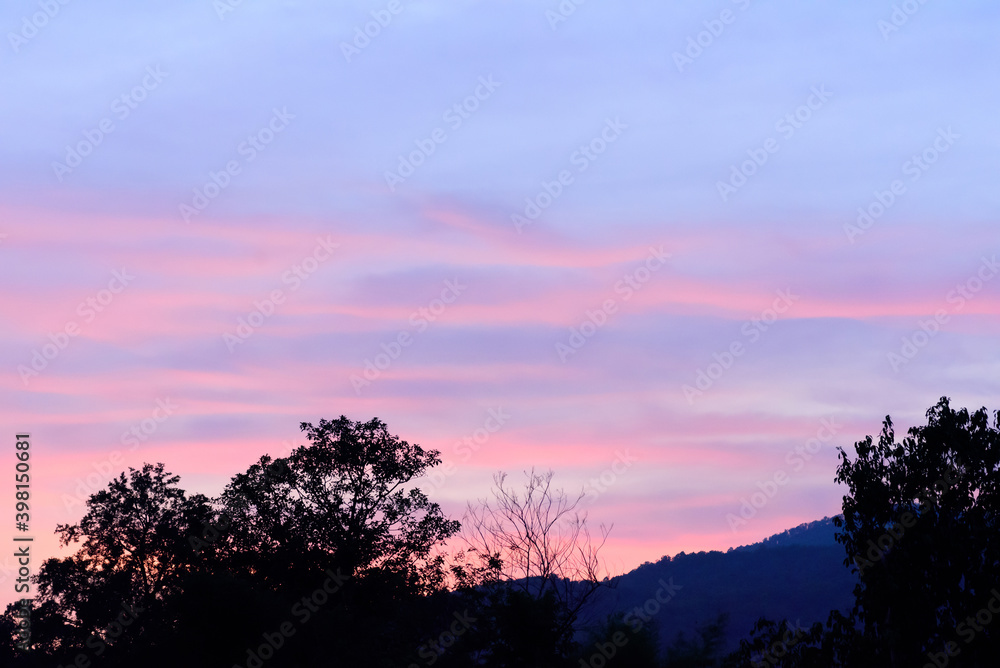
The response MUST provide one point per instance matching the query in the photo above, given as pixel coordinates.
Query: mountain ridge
(798, 574)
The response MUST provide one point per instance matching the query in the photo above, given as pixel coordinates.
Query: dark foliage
(919, 529)
(331, 557)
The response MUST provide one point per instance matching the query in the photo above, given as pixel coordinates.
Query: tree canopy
(334, 556)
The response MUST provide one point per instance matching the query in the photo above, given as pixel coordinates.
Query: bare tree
(537, 541)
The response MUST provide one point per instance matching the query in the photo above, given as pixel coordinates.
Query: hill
(797, 575)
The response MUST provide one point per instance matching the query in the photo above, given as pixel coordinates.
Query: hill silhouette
(798, 575)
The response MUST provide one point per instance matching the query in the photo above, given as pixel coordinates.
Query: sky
(677, 252)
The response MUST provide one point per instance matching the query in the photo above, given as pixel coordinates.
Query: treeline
(333, 556)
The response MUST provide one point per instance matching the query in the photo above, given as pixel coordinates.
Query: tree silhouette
(212, 581)
(336, 546)
(702, 651)
(615, 643)
(109, 597)
(540, 553)
(340, 502)
(920, 527)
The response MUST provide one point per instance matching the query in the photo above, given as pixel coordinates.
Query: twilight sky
(672, 250)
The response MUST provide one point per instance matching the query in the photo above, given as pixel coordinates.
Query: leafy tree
(920, 527)
(702, 651)
(208, 584)
(617, 644)
(523, 631)
(109, 597)
(785, 645)
(341, 502)
(139, 529)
